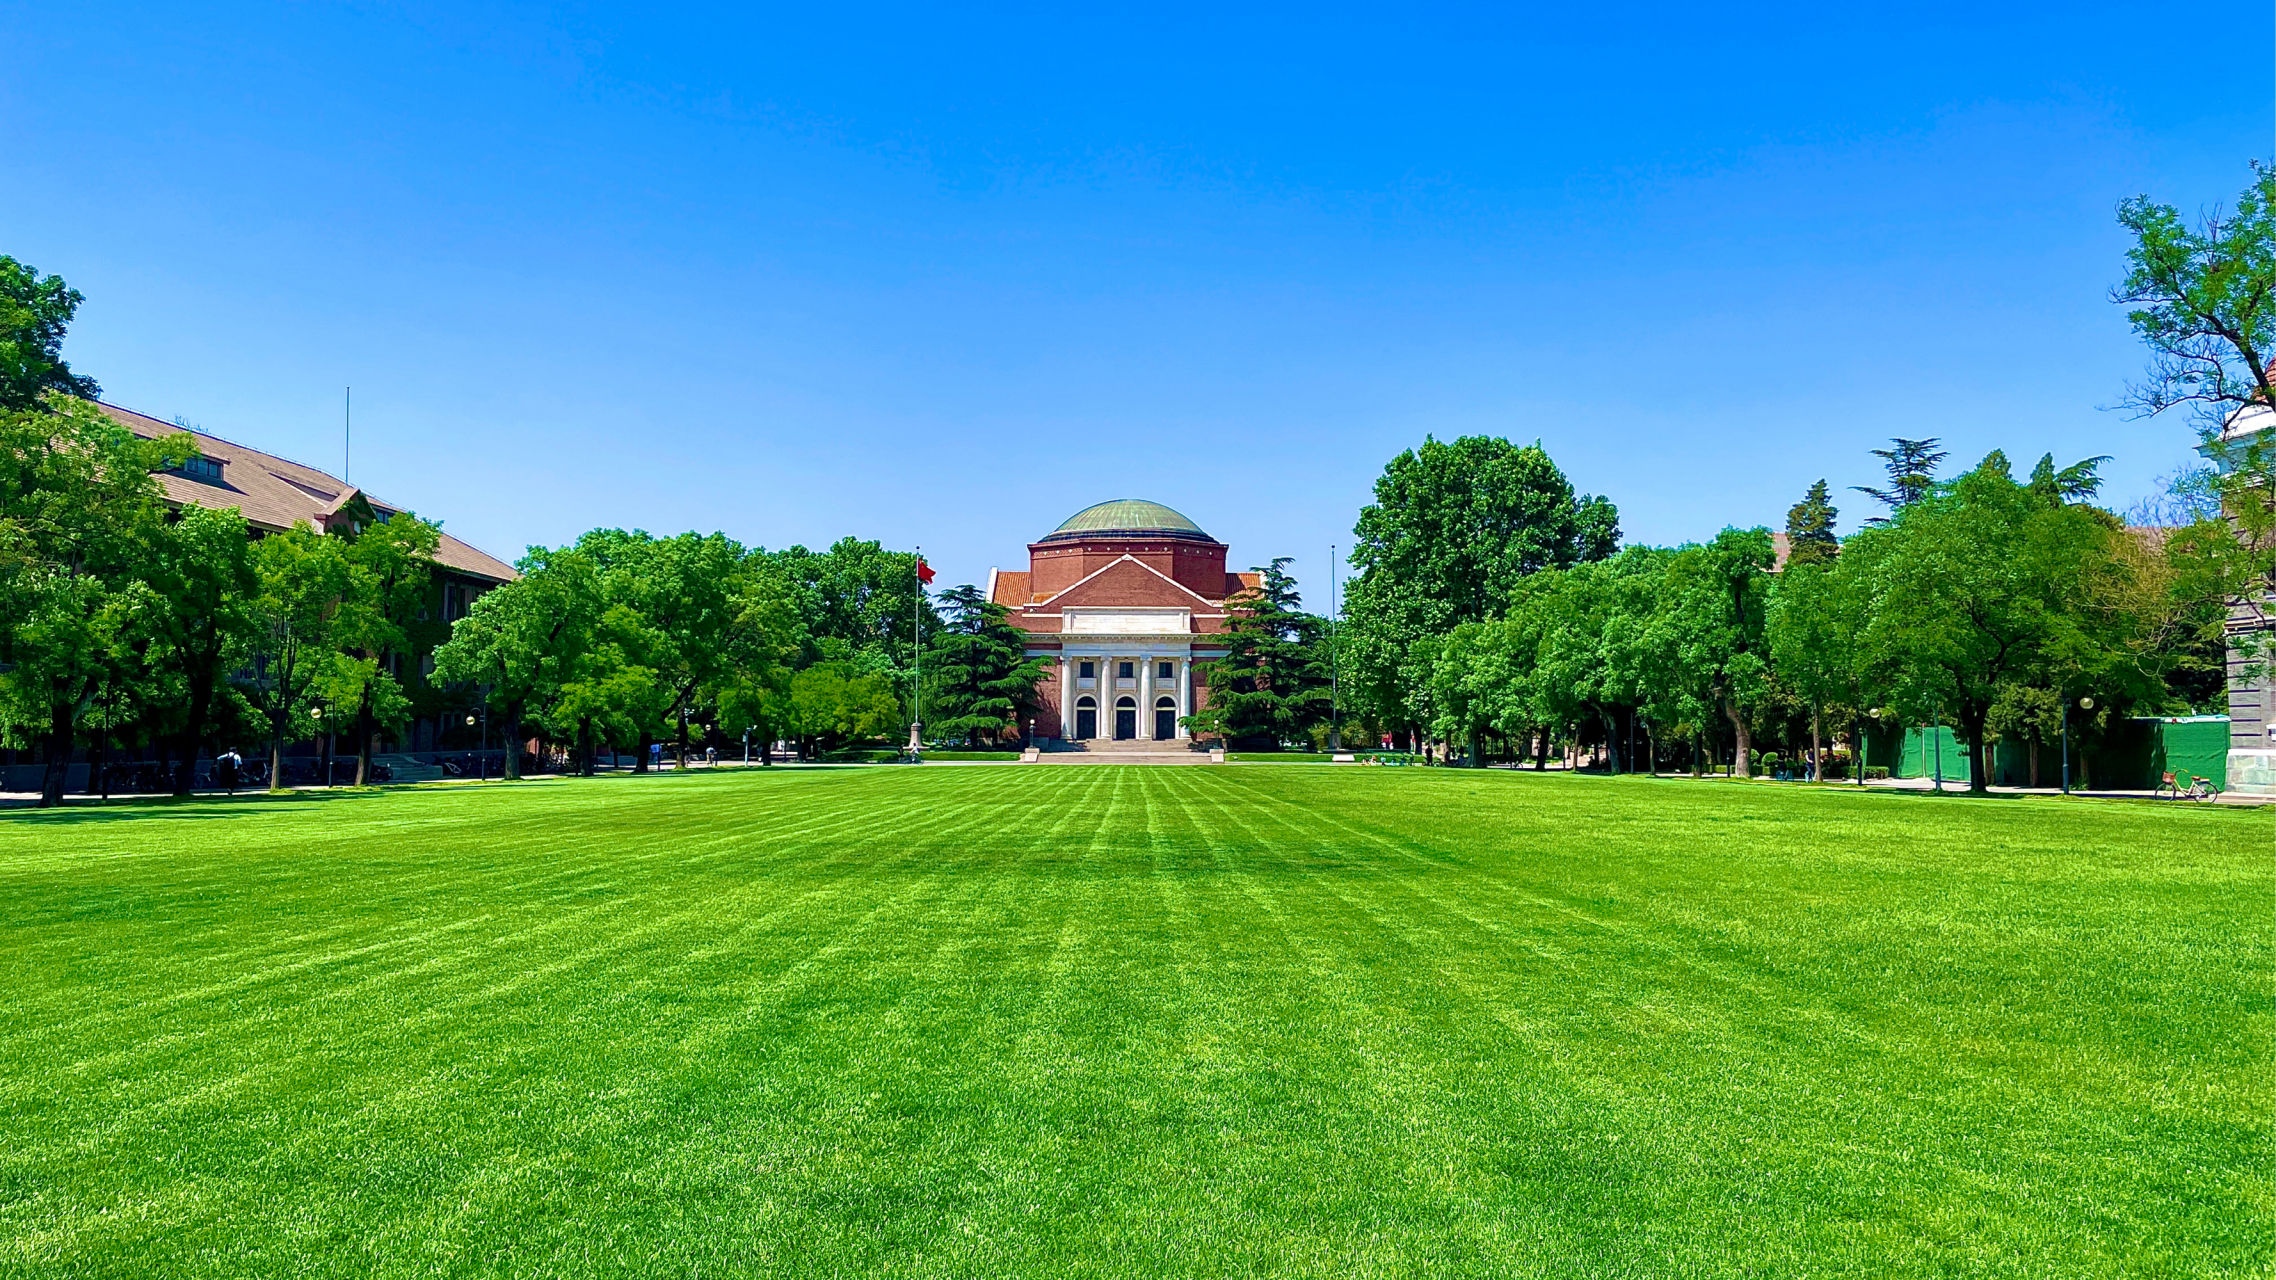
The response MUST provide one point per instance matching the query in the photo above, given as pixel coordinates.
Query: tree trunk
(97, 759)
(640, 761)
(513, 745)
(1979, 751)
(193, 733)
(1817, 754)
(276, 757)
(1477, 760)
(1742, 752)
(186, 768)
(366, 733)
(1540, 750)
(1611, 742)
(58, 757)
(585, 747)
(2032, 749)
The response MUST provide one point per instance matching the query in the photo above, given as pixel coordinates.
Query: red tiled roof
(1009, 588)
(275, 494)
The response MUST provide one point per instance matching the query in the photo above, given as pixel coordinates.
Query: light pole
(482, 746)
(2084, 704)
(1876, 714)
(746, 744)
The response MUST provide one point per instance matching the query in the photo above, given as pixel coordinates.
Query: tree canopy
(1454, 529)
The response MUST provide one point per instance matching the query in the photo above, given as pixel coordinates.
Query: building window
(1126, 671)
(201, 467)
(1165, 671)
(1087, 670)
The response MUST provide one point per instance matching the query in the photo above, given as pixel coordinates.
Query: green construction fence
(2133, 755)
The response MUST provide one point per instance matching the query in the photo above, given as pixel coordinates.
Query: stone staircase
(1125, 751)
(409, 769)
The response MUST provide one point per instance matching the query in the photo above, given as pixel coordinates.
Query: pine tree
(978, 675)
(1273, 684)
(1912, 474)
(1809, 528)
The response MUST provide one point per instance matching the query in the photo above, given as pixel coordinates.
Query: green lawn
(1131, 1021)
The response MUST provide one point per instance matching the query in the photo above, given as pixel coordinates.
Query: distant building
(2251, 628)
(275, 493)
(1123, 597)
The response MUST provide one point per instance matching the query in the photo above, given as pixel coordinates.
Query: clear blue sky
(945, 277)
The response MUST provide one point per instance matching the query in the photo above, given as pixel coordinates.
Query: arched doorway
(1125, 718)
(1086, 718)
(1165, 718)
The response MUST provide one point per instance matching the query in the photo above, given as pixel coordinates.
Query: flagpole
(917, 657)
(1335, 661)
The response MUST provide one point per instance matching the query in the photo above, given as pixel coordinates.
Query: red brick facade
(1123, 587)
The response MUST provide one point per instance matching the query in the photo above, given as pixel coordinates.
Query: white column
(1185, 692)
(1066, 693)
(1146, 695)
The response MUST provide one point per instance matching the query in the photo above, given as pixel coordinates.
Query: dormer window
(201, 467)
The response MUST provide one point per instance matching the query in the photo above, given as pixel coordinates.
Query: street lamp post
(482, 745)
(2084, 704)
(746, 744)
(1878, 713)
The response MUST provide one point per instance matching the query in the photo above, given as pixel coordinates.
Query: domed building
(1122, 598)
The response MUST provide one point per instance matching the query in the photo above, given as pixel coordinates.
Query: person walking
(225, 767)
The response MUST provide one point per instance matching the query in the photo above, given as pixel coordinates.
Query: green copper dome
(1126, 516)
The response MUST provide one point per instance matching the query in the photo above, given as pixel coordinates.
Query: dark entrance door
(1166, 720)
(1126, 719)
(1086, 722)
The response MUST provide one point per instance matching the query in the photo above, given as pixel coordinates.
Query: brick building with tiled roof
(1122, 598)
(275, 493)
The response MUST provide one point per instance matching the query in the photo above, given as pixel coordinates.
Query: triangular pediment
(1128, 583)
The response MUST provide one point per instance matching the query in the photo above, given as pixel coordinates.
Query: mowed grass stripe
(1124, 1021)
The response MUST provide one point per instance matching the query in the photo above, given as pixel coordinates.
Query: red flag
(924, 573)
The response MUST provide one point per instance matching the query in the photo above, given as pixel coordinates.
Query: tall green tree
(302, 577)
(1453, 530)
(1985, 587)
(520, 642)
(1815, 617)
(202, 571)
(79, 511)
(1710, 623)
(391, 571)
(680, 612)
(979, 678)
(1809, 528)
(34, 313)
(835, 701)
(2203, 297)
(867, 597)
(1272, 685)
(1911, 465)
(764, 647)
